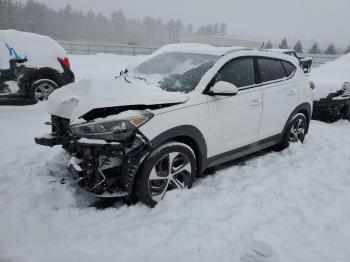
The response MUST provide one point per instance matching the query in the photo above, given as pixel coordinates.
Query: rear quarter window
(289, 67)
(271, 69)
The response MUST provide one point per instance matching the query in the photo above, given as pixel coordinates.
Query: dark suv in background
(31, 67)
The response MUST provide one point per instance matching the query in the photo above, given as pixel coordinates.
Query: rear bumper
(67, 77)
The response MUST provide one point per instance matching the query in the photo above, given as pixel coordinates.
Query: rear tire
(41, 89)
(296, 131)
(171, 166)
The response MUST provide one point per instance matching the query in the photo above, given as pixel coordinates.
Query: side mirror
(223, 88)
(307, 70)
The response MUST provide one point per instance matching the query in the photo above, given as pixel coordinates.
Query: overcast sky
(322, 20)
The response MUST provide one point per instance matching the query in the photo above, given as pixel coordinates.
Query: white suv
(186, 108)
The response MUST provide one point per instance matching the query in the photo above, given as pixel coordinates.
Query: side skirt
(243, 151)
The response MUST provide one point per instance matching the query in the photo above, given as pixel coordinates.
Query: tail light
(64, 62)
(312, 85)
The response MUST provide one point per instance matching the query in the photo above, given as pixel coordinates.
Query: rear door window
(271, 69)
(239, 72)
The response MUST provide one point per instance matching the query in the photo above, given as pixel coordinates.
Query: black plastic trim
(243, 151)
(185, 131)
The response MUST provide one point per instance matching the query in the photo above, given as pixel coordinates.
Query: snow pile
(41, 51)
(287, 206)
(101, 65)
(330, 77)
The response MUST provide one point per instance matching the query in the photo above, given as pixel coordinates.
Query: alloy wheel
(172, 171)
(298, 129)
(43, 91)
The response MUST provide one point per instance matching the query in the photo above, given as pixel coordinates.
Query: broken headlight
(111, 129)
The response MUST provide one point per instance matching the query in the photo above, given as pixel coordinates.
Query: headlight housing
(111, 128)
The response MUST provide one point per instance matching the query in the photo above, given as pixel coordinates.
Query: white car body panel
(75, 100)
(234, 121)
(193, 113)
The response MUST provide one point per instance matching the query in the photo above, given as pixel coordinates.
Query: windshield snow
(175, 71)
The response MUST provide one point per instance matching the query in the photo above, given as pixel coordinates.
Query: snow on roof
(196, 48)
(41, 51)
(280, 50)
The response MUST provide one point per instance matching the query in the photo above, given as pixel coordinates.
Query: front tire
(41, 89)
(171, 166)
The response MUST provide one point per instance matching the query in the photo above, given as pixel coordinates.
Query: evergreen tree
(268, 45)
(284, 44)
(69, 24)
(298, 47)
(315, 49)
(331, 50)
(347, 51)
(223, 29)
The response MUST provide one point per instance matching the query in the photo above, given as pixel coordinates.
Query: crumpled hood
(75, 100)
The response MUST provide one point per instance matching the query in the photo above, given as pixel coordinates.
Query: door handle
(292, 92)
(256, 102)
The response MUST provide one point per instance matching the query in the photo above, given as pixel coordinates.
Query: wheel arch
(45, 73)
(188, 135)
(304, 108)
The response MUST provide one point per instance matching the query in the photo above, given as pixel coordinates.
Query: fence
(86, 48)
(318, 60)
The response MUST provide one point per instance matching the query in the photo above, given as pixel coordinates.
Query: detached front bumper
(100, 168)
(51, 140)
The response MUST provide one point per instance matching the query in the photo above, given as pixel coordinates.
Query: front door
(234, 121)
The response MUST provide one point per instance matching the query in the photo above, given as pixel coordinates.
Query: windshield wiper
(141, 78)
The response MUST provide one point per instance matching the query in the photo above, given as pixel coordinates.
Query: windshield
(176, 71)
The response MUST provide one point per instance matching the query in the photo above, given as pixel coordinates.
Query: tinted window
(238, 72)
(271, 69)
(290, 69)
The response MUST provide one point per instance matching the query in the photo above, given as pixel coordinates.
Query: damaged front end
(106, 153)
(334, 107)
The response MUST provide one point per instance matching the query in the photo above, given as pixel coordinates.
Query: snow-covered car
(305, 62)
(183, 110)
(32, 66)
(332, 92)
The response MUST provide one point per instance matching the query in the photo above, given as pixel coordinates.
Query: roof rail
(237, 49)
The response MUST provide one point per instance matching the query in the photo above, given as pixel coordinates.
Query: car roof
(281, 50)
(197, 48)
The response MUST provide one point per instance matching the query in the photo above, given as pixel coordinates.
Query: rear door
(280, 94)
(234, 121)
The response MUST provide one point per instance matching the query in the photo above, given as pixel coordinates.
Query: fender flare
(45, 72)
(304, 107)
(185, 131)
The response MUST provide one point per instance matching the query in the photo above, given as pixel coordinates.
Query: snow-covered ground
(274, 206)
